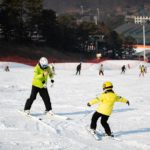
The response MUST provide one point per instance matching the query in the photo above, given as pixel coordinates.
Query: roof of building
(136, 31)
(141, 48)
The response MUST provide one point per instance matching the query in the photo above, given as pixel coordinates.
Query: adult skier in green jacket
(42, 72)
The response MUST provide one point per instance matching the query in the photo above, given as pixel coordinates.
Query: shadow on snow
(123, 110)
(142, 130)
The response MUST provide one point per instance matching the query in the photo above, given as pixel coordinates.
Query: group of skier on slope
(106, 100)
(142, 69)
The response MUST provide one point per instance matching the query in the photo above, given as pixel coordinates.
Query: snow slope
(69, 97)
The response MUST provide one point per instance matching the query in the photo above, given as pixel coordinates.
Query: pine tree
(18, 17)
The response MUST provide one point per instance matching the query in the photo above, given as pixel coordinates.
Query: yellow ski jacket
(39, 80)
(106, 102)
(142, 69)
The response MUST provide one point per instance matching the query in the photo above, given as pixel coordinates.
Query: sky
(69, 97)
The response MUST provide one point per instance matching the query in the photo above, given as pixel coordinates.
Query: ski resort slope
(69, 97)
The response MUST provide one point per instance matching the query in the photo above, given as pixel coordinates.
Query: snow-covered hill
(69, 97)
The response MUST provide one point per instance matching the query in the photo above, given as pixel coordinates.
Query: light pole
(144, 54)
(97, 14)
(142, 20)
(82, 10)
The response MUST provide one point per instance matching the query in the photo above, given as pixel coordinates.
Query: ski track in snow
(69, 97)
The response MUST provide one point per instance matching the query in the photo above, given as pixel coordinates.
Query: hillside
(30, 53)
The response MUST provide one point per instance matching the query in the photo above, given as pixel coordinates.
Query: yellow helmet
(107, 85)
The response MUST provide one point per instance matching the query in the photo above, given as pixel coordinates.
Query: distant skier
(123, 69)
(142, 70)
(106, 102)
(7, 69)
(101, 70)
(129, 66)
(78, 69)
(39, 85)
(145, 69)
(53, 68)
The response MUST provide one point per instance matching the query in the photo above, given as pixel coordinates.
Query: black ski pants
(101, 72)
(43, 93)
(78, 72)
(104, 123)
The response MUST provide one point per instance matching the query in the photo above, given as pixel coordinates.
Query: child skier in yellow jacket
(106, 102)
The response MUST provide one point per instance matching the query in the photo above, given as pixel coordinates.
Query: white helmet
(43, 62)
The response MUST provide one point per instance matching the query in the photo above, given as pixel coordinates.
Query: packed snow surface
(69, 97)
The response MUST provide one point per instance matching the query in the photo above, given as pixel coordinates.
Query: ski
(51, 117)
(103, 135)
(56, 116)
(95, 134)
(37, 120)
(112, 138)
(46, 116)
(115, 138)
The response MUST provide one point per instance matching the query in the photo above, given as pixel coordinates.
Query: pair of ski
(99, 136)
(45, 116)
(40, 118)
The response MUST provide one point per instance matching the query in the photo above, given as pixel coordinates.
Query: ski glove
(52, 81)
(45, 73)
(128, 103)
(88, 104)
